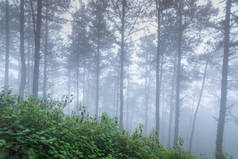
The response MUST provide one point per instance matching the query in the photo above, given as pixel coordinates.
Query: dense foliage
(37, 128)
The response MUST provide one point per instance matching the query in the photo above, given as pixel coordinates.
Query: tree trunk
(69, 87)
(197, 108)
(97, 73)
(161, 94)
(157, 96)
(171, 104)
(127, 98)
(46, 53)
(147, 93)
(117, 98)
(6, 85)
(37, 49)
(122, 63)
(28, 68)
(69, 81)
(177, 104)
(222, 113)
(147, 96)
(77, 85)
(114, 96)
(22, 53)
(84, 83)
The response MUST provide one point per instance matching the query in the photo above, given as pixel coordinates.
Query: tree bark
(84, 83)
(97, 72)
(6, 84)
(171, 104)
(177, 103)
(122, 63)
(37, 49)
(69, 81)
(117, 98)
(77, 85)
(46, 53)
(147, 99)
(147, 92)
(28, 68)
(22, 53)
(223, 101)
(157, 96)
(127, 97)
(197, 108)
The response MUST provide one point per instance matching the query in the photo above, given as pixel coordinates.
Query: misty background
(160, 63)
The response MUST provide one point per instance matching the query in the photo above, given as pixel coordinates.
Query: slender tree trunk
(147, 93)
(223, 101)
(28, 68)
(46, 53)
(37, 49)
(157, 96)
(84, 85)
(69, 81)
(127, 98)
(87, 89)
(69, 87)
(6, 85)
(171, 104)
(45, 76)
(22, 53)
(197, 108)
(147, 98)
(77, 85)
(114, 97)
(161, 90)
(177, 104)
(122, 63)
(117, 99)
(97, 73)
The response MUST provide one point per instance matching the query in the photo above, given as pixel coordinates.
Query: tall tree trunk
(157, 96)
(127, 97)
(69, 81)
(84, 84)
(97, 73)
(22, 53)
(114, 96)
(122, 62)
(37, 49)
(177, 103)
(6, 85)
(117, 98)
(161, 94)
(88, 89)
(147, 93)
(171, 104)
(223, 101)
(69, 87)
(28, 68)
(45, 75)
(77, 85)
(46, 53)
(197, 108)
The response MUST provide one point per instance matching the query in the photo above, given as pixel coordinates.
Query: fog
(168, 65)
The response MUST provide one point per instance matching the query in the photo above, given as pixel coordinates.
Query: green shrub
(37, 128)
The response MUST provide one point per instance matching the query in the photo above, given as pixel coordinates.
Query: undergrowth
(37, 128)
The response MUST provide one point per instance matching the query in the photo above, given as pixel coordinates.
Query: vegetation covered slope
(38, 128)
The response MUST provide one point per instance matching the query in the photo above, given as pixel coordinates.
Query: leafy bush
(38, 128)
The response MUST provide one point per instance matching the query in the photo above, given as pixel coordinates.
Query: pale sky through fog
(66, 31)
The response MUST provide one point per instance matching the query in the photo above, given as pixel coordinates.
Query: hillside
(37, 128)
